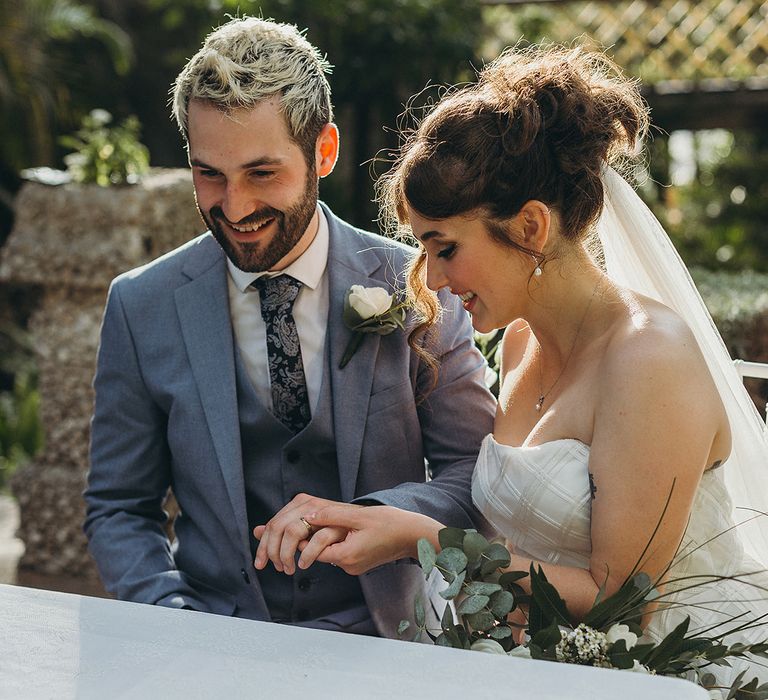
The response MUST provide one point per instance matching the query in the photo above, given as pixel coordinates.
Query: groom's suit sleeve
(129, 477)
(455, 415)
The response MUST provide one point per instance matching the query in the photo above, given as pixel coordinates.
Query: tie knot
(277, 293)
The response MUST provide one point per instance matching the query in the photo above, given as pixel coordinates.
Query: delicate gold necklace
(543, 394)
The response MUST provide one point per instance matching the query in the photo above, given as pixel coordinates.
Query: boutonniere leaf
(370, 310)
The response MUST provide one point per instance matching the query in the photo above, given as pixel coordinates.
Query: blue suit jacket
(166, 415)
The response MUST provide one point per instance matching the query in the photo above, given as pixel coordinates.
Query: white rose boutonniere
(370, 310)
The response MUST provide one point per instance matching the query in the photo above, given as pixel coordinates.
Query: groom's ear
(326, 150)
(536, 220)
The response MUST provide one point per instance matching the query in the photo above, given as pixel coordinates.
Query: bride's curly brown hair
(540, 123)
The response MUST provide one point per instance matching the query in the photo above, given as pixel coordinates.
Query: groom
(218, 371)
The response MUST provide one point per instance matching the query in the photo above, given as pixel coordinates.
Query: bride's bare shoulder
(650, 340)
(517, 336)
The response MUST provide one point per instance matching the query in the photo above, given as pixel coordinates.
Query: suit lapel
(348, 264)
(203, 308)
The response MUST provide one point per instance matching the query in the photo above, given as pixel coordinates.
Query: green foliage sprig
(21, 431)
(106, 155)
(483, 595)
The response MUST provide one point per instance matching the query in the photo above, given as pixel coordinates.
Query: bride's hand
(375, 535)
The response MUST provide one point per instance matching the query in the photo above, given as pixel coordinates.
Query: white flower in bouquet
(639, 668)
(619, 631)
(521, 652)
(583, 645)
(489, 646)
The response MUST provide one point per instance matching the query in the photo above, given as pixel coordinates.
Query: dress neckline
(544, 444)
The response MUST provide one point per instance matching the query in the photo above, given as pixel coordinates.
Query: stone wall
(70, 241)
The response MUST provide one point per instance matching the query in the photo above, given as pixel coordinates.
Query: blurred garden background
(703, 67)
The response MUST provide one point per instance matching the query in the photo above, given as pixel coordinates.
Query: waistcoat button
(246, 578)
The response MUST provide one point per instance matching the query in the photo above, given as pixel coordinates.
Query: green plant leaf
(509, 578)
(481, 621)
(496, 556)
(547, 637)
(501, 604)
(447, 620)
(500, 632)
(427, 555)
(453, 590)
(481, 588)
(472, 604)
(547, 600)
(451, 537)
(667, 647)
(418, 613)
(473, 545)
(451, 559)
(404, 625)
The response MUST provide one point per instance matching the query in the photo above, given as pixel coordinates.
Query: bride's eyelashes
(447, 252)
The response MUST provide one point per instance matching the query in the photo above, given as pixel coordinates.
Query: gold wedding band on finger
(310, 529)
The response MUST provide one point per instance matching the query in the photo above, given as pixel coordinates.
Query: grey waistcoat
(277, 466)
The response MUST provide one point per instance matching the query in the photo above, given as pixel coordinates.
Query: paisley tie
(290, 401)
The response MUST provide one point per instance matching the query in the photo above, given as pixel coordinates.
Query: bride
(617, 399)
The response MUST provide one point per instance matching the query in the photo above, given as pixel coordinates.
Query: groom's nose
(238, 202)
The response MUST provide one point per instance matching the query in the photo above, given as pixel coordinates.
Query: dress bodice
(538, 498)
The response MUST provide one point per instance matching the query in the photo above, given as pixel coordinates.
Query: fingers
(279, 539)
(322, 539)
(344, 515)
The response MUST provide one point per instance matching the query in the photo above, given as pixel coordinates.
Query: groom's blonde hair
(248, 60)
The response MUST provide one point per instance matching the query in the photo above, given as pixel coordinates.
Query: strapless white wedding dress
(539, 499)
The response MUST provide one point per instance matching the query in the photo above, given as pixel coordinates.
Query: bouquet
(609, 636)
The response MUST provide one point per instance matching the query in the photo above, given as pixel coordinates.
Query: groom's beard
(289, 226)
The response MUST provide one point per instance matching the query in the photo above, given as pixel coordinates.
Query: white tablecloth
(56, 645)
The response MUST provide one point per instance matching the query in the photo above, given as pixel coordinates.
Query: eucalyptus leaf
(442, 641)
(418, 613)
(482, 588)
(472, 604)
(501, 604)
(427, 555)
(496, 556)
(451, 537)
(474, 544)
(500, 632)
(447, 619)
(453, 590)
(451, 559)
(481, 621)
(452, 635)
(404, 625)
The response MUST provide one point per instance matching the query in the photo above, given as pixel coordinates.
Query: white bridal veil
(640, 256)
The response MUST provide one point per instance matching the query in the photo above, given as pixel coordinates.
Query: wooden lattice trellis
(667, 39)
(678, 48)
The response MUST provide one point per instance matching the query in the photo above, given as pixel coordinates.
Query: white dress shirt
(310, 311)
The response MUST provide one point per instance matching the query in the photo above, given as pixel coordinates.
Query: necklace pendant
(539, 404)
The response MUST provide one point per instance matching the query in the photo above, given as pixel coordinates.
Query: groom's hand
(279, 539)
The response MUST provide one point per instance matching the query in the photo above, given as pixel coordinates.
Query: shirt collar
(308, 268)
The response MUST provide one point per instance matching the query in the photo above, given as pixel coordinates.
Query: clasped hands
(353, 537)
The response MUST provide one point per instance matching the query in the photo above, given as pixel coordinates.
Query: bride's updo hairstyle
(540, 123)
